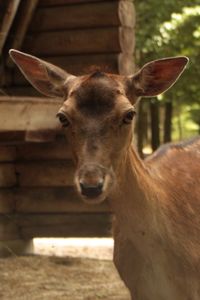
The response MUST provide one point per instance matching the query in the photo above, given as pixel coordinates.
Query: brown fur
(155, 202)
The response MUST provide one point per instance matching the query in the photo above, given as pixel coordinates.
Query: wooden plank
(7, 201)
(66, 2)
(25, 14)
(59, 149)
(46, 200)
(22, 91)
(22, 114)
(109, 13)
(9, 16)
(12, 137)
(96, 40)
(64, 225)
(7, 153)
(7, 175)
(45, 173)
(8, 228)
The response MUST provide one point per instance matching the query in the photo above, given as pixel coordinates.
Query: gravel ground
(80, 271)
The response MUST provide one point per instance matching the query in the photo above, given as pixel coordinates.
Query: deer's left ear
(48, 79)
(157, 76)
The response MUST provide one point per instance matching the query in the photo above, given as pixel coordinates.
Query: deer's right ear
(156, 77)
(45, 77)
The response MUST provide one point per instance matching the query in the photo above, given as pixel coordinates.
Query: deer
(155, 202)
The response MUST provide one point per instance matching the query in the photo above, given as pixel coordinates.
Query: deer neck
(134, 198)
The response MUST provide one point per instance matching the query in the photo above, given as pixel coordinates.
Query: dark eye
(63, 119)
(129, 117)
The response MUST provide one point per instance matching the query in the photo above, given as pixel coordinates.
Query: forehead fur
(96, 94)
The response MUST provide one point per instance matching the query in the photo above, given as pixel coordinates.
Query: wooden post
(8, 19)
(16, 247)
(11, 241)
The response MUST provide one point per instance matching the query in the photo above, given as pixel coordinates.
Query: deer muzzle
(92, 181)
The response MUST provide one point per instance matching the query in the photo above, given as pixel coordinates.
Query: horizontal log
(29, 114)
(109, 13)
(98, 40)
(8, 228)
(7, 175)
(46, 200)
(45, 173)
(22, 91)
(7, 201)
(65, 2)
(64, 225)
(7, 153)
(57, 150)
(12, 137)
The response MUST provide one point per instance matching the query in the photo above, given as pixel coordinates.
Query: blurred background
(164, 29)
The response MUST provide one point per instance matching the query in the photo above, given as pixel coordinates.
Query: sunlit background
(165, 29)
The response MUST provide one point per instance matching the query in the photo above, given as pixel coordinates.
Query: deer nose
(91, 180)
(91, 191)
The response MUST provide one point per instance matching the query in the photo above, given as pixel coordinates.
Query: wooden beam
(27, 226)
(57, 150)
(45, 173)
(10, 14)
(24, 18)
(7, 153)
(7, 175)
(66, 2)
(29, 114)
(46, 200)
(90, 41)
(8, 228)
(64, 225)
(108, 13)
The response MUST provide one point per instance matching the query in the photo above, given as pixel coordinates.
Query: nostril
(91, 191)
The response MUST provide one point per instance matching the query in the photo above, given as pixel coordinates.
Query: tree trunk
(168, 122)
(155, 129)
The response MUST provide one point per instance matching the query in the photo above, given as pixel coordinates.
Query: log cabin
(37, 198)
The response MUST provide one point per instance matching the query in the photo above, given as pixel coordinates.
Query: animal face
(97, 114)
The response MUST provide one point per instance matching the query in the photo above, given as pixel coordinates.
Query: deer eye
(128, 117)
(63, 119)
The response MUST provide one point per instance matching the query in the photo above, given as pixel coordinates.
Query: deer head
(98, 112)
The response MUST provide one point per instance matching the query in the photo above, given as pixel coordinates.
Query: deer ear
(158, 76)
(45, 77)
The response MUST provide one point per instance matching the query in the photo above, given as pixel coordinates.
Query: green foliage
(170, 28)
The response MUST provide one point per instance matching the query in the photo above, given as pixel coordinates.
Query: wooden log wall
(37, 198)
(79, 36)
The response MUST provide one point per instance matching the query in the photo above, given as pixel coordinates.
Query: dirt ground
(80, 275)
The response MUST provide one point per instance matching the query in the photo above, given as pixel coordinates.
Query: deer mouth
(93, 183)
